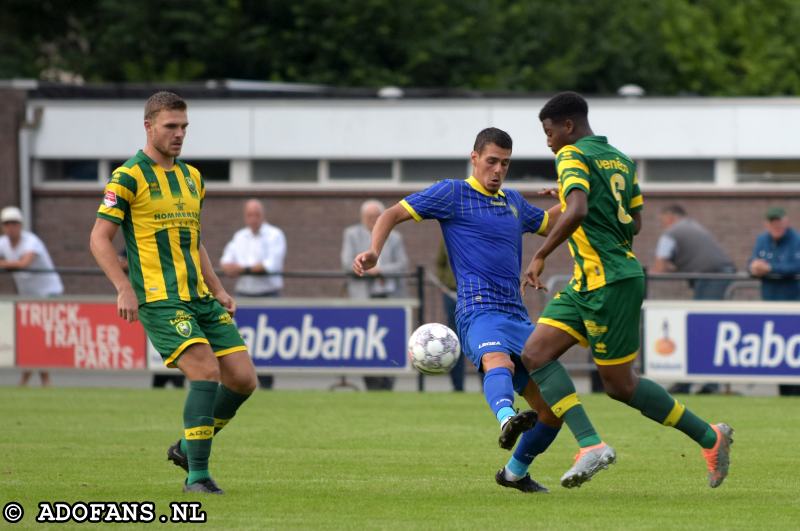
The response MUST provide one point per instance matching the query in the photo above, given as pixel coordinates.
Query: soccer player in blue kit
(482, 226)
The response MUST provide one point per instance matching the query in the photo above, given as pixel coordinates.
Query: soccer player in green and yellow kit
(172, 288)
(601, 212)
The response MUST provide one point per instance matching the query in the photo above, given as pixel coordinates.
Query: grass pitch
(322, 460)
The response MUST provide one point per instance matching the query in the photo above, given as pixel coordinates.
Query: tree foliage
(704, 47)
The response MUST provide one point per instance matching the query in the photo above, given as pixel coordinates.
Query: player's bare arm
(553, 215)
(568, 222)
(383, 227)
(102, 247)
(637, 221)
(213, 282)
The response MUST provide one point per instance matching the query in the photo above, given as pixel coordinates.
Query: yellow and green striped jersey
(159, 211)
(601, 246)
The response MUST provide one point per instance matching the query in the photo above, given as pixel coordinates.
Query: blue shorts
(484, 332)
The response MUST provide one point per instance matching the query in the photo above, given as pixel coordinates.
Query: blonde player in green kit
(601, 212)
(156, 198)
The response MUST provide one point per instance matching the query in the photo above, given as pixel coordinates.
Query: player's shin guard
(498, 389)
(559, 392)
(225, 405)
(198, 424)
(656, 403)
(532, 443)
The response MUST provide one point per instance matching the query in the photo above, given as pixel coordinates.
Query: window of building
(213, 170)
(285, 171)
(81, 170)
(678, 170)
(529, 170)
(340, 170)
(768, 170)
(431, 170)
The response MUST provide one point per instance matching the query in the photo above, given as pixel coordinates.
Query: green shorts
(173, 325)
(607, 319)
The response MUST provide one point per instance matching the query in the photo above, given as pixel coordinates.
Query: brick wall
(314, 223)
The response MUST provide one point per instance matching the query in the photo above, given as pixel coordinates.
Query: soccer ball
(433, 349)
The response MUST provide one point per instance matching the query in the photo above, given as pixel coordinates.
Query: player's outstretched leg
(655, 403)
(559, 392)
(533, 442)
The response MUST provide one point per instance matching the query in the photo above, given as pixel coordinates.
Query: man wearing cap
(19, 250)
(776, 261)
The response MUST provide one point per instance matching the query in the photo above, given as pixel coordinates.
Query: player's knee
(246, 384)
(620, 391)
(532, 358)
(497, 360)
(207, 370)
(210, 373)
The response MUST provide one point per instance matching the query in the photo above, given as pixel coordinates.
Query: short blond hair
(161, 101)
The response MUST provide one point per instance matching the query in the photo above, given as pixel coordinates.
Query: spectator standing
(20, 250)
(445, 274)
(776, 261)
(254, 257)
(374, 284)
(686, 246)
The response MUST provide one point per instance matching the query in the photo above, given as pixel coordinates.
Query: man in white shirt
(20, 250)
(258, 248)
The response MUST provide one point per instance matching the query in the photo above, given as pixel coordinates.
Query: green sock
(559, 392)
(654, 402)
(225, 405)
(198, 424)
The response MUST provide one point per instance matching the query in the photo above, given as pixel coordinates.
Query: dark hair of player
(492, 135)
(564, 106)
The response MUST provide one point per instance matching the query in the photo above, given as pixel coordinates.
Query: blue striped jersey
(483, 235)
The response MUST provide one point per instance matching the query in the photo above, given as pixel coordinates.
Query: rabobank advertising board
(327, 337)
(726, 341)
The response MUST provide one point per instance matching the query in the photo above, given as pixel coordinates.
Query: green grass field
(322, 460)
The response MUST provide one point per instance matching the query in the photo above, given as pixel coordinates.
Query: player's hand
(127, 304)
(532, 274)
(364, 262)
(227, 302)
(552, 192)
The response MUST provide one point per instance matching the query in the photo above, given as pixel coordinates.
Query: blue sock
(532, 443)
(499, 392)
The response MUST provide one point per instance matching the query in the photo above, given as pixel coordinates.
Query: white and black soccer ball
(433, 348)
